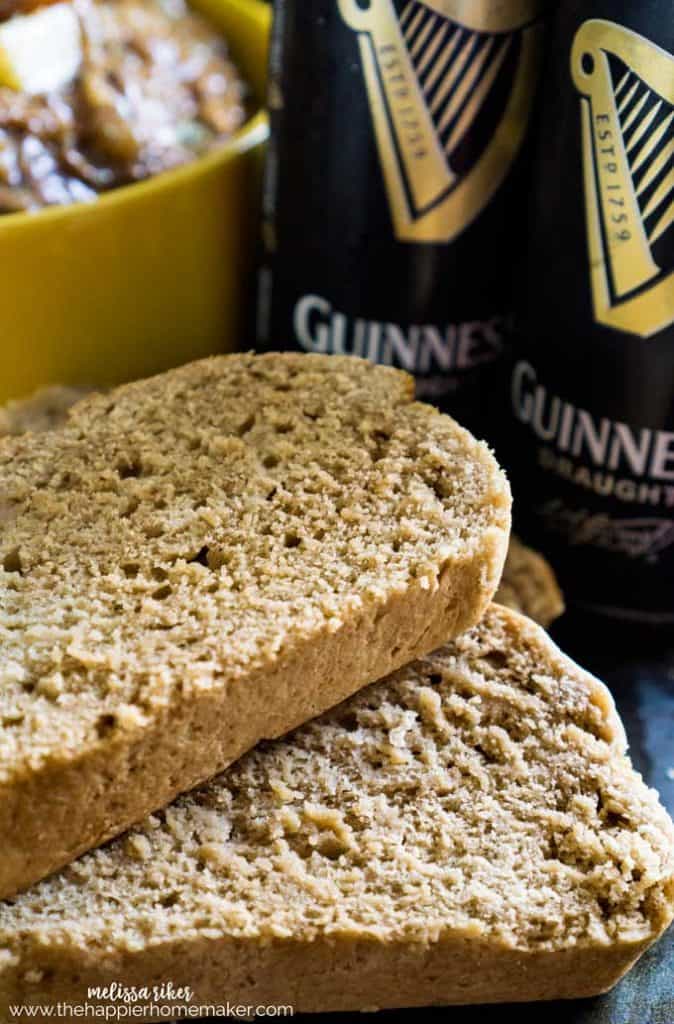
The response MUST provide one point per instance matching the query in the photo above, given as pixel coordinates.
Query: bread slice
(467, 830)
(200, 560)
(529, 585)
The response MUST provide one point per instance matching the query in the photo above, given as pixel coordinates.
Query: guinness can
(393, 191)
(592, 390)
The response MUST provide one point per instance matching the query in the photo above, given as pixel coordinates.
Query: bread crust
(346, 975)
(64, 792)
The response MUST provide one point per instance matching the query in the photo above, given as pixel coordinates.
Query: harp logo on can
(627, 114)
(450, 87)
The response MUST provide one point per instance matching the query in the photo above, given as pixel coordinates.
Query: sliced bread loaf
(200, 560)
(529, 585)
(468, 830)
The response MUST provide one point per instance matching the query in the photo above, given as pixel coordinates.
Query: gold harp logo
(627, 105)
(450, 85)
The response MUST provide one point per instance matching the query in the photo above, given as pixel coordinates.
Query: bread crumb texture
(186, 530)
(528, 584)
(482, 792)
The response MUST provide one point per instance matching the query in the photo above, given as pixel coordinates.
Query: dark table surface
(638, 666)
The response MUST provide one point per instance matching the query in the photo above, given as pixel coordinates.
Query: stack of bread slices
(265, 737)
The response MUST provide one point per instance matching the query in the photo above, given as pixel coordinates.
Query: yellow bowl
(148, 276)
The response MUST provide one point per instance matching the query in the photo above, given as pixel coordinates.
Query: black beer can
(394, 185)
(592, 389)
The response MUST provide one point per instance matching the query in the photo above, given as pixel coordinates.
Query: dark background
(609, 372)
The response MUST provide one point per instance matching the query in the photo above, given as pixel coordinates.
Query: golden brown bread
(468, 830)
(200, 560)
